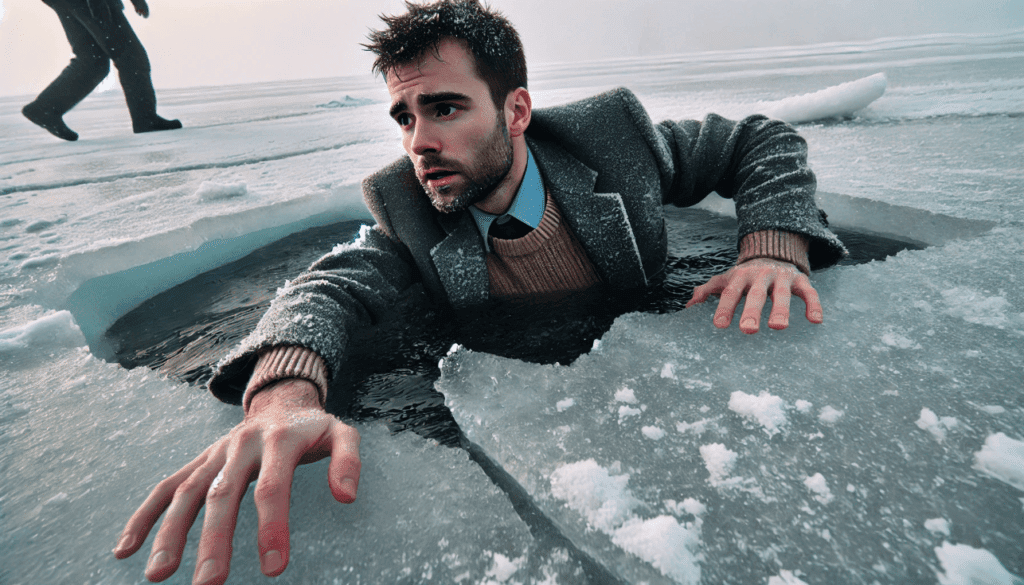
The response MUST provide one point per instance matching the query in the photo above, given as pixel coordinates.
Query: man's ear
(518, 109)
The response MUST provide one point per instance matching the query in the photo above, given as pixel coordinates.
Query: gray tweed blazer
(610, 171)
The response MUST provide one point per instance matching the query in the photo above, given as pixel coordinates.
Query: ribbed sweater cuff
(779, 245)
(283, 362)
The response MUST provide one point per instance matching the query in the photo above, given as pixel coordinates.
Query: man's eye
(445, 110)
(403, 119)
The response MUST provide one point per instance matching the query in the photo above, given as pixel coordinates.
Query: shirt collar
(527, 206)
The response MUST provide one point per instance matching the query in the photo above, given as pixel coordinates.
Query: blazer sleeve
(355, 285)
(760, 164)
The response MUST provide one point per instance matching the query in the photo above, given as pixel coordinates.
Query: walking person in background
(99, 33)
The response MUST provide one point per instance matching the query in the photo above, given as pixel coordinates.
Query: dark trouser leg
(87, 69)
(129, 56)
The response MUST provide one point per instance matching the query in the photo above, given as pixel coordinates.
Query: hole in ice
(186, 329)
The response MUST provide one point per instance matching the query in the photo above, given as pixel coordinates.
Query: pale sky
(222, 42)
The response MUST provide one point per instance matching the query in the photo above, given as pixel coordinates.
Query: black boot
(155, 124)
(49, 121)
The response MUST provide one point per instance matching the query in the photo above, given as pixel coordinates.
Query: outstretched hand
(285, 427)
(755, 278)
(141, 8)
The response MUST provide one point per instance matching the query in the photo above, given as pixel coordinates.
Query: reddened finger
(142, 521)
(803, 289)
(213, 557)
(343, 472)
(272, 495)
(181, 514)
(779, 317)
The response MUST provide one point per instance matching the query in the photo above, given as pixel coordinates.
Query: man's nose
(424, 140)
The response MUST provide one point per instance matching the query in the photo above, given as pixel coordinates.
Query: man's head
(464, 136)
(489, 37)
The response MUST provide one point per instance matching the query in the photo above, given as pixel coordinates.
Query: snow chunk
(719, 462)
(210, 191)
(503, 567)
(607, 504)
(696, 428)
(764, 408)
(893, 339)
(563, 405)
(625, 395)
(1002, 458)
(803, 406)
(832, 102)
(53, 331)
(625, 411)
(663, 543)
(785, 578)
(830, 415)
(604, 500)
(974, 307)
(966, 565)
(937, 526)
(817, 484)
(653, 433)
(668, 371)
(930, 422)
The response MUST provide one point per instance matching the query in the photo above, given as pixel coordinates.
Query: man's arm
(280, 372)
(762, 165)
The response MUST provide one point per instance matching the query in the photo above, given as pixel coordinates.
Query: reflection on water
(391, 370)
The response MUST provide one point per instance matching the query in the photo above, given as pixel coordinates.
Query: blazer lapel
(460, 261)
(598, 220)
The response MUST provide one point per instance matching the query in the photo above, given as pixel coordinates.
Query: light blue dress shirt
(527, 206)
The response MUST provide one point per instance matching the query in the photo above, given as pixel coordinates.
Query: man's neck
(501, 198)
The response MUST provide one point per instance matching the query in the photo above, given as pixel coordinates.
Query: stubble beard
(492, 167)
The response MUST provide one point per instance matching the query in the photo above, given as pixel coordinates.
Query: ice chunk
(625, 395)
(565, 404)
(966, 565)
(785, 578)
(832, 102)
(765, 409)
(830, 415)
(1002, 458)
(931, 422)
(817, 484)
(210, 191)
(719, 461)
(937, 526)
(653, 433)
(54, 331)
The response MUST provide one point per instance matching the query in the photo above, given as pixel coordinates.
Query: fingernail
(272, 561)
(207, 571)
(721, 321)
(749, 323)
(158, 561)
(349, 485)
(816, 315)
(124, 544)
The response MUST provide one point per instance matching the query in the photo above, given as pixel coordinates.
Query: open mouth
(439, 175)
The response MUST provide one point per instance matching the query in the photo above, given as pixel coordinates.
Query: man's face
(456, 138)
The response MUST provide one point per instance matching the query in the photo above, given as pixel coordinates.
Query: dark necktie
(507, 227)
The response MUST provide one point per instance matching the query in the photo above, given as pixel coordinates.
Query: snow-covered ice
(727, 492)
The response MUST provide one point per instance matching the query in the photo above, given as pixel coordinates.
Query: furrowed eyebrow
(427, 99)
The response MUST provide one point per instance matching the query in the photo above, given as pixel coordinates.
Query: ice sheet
(837, 498)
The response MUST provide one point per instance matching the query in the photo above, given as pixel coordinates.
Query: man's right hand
(285, 426)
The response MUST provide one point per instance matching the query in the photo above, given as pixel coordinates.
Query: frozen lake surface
(886, 445)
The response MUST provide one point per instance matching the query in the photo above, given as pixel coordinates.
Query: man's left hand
(755, 278)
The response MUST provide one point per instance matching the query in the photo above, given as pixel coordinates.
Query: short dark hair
(490, 37)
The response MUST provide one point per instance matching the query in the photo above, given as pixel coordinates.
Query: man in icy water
(494, 200)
